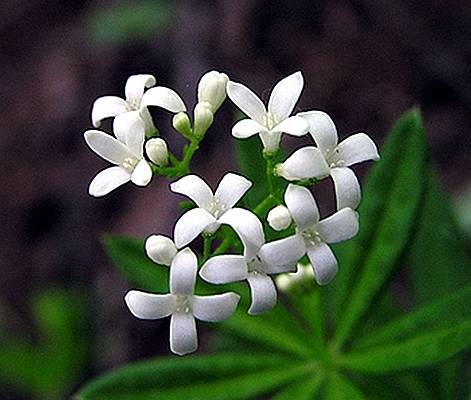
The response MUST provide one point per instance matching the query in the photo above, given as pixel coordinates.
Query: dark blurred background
(364, 62)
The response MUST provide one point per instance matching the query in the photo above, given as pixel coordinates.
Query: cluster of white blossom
(138, 153)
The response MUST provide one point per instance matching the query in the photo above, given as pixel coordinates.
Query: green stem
(184, 165)
(208, 240)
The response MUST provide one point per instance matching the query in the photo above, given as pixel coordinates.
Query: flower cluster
(138, 152)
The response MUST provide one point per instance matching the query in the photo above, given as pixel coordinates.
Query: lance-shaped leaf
(389, 215)
(426, 348)
(221, 377)
(442, 313)
(340, 387)
(305, 388)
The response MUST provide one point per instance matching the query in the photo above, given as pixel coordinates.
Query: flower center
(182, 303)
(332, 156)
(134, 104)
(269, 120)
(216, 208)
(312, 236)
(129, 163)
(255, 265)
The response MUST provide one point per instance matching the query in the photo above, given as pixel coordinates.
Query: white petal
(107, 147)
(285, 95)
(282, 255)
(347, 188)
(183, 335)
(323, 262)
(270, 140)
(148, 305)
(307, 162)
(147, 118)
(322, 129)
(163, 97)
(142, 173)
(107, 106)
(107, 180)
(248, 227)
(183, 272)
(295, 126)
(224, 269)
(342, 225)
(231, 189)
(246, 128)
(357, 148)
(190, 225)
(135, 86)
(215, 308)
(263, 293)
(247, 101)
(129, 128)
(302, 206)
(195, 188)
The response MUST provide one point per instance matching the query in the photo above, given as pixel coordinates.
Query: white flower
(274, 121)
(126, 151)
(211, 207)
(182, 304)
(330, 158)
(160, 249)
(259, 260)
(317, 234)
(136, 101)
(212, 89)
(157, 151)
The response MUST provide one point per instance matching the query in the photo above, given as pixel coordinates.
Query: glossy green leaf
(305, 388)
(388, 216)
(222, 377)
(426, 348)
(128, 255)
(340, 387)
(442, 313)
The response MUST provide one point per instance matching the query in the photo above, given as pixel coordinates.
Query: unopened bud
(303, 275)
(203, 118)
(279, 218)
(160, 249)
(181, 122)
(157, 151)
(212, 89)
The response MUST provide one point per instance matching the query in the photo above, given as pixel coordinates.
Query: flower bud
(160, 249)
(279, 218)
(181, 122)
(203, 118)
(303, 275)
(157, 151)
(212, 89)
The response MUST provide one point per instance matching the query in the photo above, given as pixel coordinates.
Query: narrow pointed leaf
(427, 348)
(222, 377)
(391, 202)
(305, 388)
(340, 387)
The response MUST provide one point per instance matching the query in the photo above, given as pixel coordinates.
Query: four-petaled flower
(126, 151)
(271, 123)
(211, 207)
(136, 101)
(259, 260)
(182, 304)
(330, 158)
(317, 234)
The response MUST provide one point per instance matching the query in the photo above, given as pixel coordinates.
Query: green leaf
(427, 348)
(388, 215)
(49, 369)
(340, 387)
(249, 154)
(302, 389)
(221, 377)
(451, 309)
(439, 245)
(128, 255)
